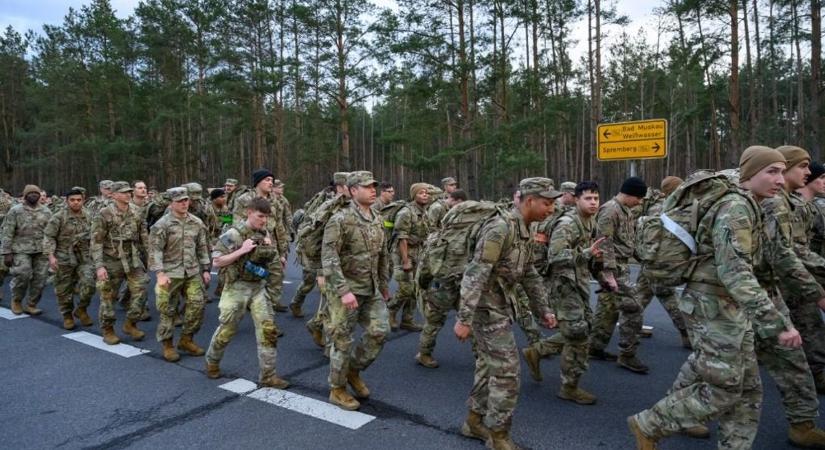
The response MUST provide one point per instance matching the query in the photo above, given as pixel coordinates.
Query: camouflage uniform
(441, 297)
(118, 239)
(436, 211)
(724, 307)
(309, 269)
(245, 290)
(157, 208)
(411, 225)
(179, 248)
(354, 260)
(5, 206)
(67, 237)
(817, 231)
(22, 236)
(615, 222)
(501, 262)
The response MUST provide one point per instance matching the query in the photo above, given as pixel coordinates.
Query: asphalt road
(59, 393)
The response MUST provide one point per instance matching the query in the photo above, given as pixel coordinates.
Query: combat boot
(806, 435)
(410, 325)
(189, 346)
(68, 321)
(697, 432)
(317, 336)
(499, 439)
(145, 316)
(643, 441)
(576, 394)
(819, 382)
(296, 310)
(532, 358)
(213, 370)
(274, 381)
(279, 307)
(109, 336)
(32, 310)
(393, 320)
(602, 355)
(16, 307)
(358, 386)
(426, 360)
(632, 364)
(130, 328)
(686, 341)
(340, 396)
(474, 427)
(169, 352)
(83, 316)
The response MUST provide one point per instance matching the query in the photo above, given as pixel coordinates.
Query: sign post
(641, 139)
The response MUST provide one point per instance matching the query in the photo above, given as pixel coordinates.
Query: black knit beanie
(634, 186)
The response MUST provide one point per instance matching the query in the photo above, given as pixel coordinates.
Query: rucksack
(310, 234)
(388, 215)
(449, 249)
(666, 244)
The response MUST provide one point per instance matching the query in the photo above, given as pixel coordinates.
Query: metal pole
(633, 168)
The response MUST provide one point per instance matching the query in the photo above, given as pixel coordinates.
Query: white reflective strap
(679, 232)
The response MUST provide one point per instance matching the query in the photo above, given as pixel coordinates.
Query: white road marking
(8, 315)
(300, 404)
(93, 340)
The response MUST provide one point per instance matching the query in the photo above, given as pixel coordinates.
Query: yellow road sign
(642, 139)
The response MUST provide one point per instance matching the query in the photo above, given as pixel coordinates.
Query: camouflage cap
(448, 180)
(177, 193)
(277, 183)
(231, 181)
(121, 187)
(105, 184)
(195, 190)
(76, 190)
(538, 186)
(568, 186)
(434, 190)
(361, 178)
(340, 178)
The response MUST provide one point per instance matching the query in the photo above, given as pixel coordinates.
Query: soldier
(567, 201)
(229, 186)
(140, 197)
(245, 251)
(438, 208)
(179, 256)
(411, 230)
(5, 206)
(310, 268)
(262, 180)
(95, 204)
(157, 208)
(816, 190)
(615, 222)
(140, 201)
(724, 307)
(355, 267)
(644, 290)
(119, 236)
(385, 196)
(217, 199)
(199, 206)
(22, 249)
(285, 209)
(488, 289)
(66, 242)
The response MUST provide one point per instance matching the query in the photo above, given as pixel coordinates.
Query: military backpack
(310, 234)
(388, 215)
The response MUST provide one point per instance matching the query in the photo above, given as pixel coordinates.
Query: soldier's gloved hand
(790, 338)
(8, 260)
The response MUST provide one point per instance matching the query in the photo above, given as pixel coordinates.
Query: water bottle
(255, 269)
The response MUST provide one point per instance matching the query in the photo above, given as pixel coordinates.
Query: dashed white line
(8, 315)
(93, 340)
(300, 404)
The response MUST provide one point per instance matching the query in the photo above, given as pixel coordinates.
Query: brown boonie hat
(538, 186)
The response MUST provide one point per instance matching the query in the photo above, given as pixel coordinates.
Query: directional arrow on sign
(606, 134)
(656, 147)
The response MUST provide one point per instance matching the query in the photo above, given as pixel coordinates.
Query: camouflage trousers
(236, 299)
(136, 280)
(575, 320)
(442, 297)
(404, 299)
(807, 318)
(67, 279)
(722, 376)
(3, 272)
(320, 321)
(29, 273)
(645, 291)
(530, 327)
(166, 302)
(496, 379)
(373, 317)
(622, 306)
(275, 282)
(307, 284)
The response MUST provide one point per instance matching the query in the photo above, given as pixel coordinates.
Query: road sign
(642, 139)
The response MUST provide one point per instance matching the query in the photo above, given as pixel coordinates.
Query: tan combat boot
(169, 352)
(296, 310)
(32, 310)
(354, 379)
(806, 435)
(499, 439)
(697, 432)
(643, 441)
(189, 346)
(274, 381)
(109, 336)
(576, 394)
(474, 427)
(68, 321)
(130, 328)
(632, 364)
(532, 358)
(83, 316)
(16, 307)
(213, 371)
(340, 396)
(426, 360)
